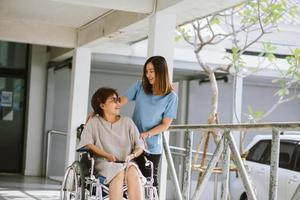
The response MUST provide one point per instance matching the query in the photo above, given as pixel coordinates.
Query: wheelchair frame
(77, 186)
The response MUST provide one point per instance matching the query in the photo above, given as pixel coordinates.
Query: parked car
(257, 163)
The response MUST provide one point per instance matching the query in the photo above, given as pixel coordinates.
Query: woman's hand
(144, 135)
(130, 157)
(111, 158)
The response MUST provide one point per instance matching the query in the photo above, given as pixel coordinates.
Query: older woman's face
(112, 105)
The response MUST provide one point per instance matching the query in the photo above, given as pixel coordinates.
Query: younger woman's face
(112, 105)
(150, 73)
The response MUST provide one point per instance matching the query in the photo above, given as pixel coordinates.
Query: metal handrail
(49, 134)
(184, 150)
(227, 142)
(256, 126)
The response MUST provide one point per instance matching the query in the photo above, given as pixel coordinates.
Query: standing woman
(155, 108)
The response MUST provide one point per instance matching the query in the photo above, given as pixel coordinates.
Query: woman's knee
(132, 172)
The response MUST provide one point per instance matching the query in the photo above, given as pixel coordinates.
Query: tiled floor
(18, 187)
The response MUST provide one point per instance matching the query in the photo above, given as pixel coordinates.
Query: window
(13, 55)
(258, 151)
(288, 158)
(287, 155)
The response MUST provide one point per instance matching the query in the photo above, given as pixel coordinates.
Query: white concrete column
(237, 106)
(161, 37)
(35, 111)
(49, 112)
(161, 42)
(78, 105)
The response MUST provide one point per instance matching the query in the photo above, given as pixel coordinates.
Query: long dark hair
(100, 96)
(162, 84)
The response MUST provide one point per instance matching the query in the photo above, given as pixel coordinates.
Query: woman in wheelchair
(114, 140)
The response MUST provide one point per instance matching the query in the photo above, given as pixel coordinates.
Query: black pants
(155, 159)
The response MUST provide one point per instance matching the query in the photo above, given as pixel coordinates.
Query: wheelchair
(81, 182)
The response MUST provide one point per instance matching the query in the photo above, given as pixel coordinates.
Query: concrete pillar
(161, 37)
(35, 111)
(48, 112)
(237, 106)
(78, 105)
(182, 118)
(161, 42)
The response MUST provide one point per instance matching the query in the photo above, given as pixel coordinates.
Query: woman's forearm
(123, 100)
(97, 151)
(157, 129)
(138, 151)
(163, 126)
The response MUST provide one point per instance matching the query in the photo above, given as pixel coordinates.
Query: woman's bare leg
(116, 187)
(134, 184)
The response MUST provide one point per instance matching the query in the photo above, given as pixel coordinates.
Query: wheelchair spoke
(73, 183)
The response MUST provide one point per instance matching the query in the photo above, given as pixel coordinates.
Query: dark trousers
(155, 159)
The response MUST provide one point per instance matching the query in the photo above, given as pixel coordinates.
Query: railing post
(212, 163)
(188, 165)
(241, 168)
(275, 149)
(226, 168)
(171, 165)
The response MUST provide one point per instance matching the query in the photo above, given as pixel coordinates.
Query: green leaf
(215, 21)
(297, 53)
(258, 114)
(271, 57)
(254, 115)
(177, 38)
(293, 11)
(282, 92)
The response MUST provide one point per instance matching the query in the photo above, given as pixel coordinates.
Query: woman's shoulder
(95, 121)
(172, 95)
(138, 83)
(126, 119)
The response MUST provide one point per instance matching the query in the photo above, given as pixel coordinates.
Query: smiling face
(111, 106)
(150, 73)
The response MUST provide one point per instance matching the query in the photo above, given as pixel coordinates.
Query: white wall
(35, 111)
(57, 156)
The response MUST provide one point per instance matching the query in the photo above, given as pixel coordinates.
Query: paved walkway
(18, 187)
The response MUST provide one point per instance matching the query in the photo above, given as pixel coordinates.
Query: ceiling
(48, 12)
(59, 22)
(62, 23)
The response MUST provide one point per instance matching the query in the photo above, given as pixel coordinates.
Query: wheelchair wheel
(73, 186)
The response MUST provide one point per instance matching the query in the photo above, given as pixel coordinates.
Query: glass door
(13, 71)
(11, 123)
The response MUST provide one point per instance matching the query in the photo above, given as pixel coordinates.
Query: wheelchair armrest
(79, 131)
(83, 150)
